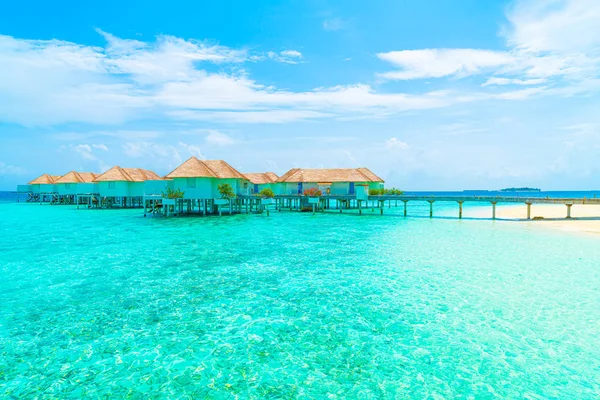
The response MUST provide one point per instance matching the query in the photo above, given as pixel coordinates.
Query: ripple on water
(106, 303)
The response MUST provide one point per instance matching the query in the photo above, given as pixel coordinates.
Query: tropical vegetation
(173, 194)
(266, 193)
(226, 191)
(313, 192)
(385, 192)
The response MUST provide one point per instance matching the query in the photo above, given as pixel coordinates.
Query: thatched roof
(195, 168)
(330, 175)
(44, 179)
(77, 177)
(261, 178)
(127, 174)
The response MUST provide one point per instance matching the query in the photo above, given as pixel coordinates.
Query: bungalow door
(256, 188)
(299, 187)
(351, 187)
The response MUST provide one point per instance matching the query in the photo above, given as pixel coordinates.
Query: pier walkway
(340, 203)
(380, 202)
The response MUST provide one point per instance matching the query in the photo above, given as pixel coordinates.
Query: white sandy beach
(585, 218)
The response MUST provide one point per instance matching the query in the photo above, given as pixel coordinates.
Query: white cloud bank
(557, 40)
(437, 63)
(49, 82)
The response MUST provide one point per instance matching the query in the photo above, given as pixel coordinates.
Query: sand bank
(585, 218)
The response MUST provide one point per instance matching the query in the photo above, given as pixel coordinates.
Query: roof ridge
(207, 166)
(78, 176)
(125, 173)
(369, 179)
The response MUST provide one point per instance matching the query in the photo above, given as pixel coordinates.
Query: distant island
(521, 189)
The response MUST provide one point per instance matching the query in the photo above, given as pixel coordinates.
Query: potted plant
(226, 192)
(171, 196)
(267, 196)
(313, 195)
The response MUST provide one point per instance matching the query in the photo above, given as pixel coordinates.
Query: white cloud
(395, 143)
(49, 82)
(437, 63)
(102, 147)
(563, 26)
(7, 169)
(554, 40)
(161, 155)
(291, 53)
(85, 151)
(508, 81)
(149, 149)
(219, 139)
(286, 56)
(192, 149)
(53, 82)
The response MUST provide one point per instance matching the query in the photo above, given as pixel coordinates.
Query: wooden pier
(493, 201)
(341, 203)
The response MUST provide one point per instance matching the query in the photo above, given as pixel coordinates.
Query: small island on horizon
(521, 189)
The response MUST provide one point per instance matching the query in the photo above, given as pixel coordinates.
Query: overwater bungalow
(195, 185)
(74, 183)
(124, 187)
(331, 181)
(263, 180)
(200, 179)
(43, 188)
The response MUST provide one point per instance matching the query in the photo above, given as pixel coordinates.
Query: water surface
(108, 303)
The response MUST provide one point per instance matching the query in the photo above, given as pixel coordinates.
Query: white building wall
(114, 189)
(136, 189)
(66, 189)
(47, 188)
(157, 187)
(86, 188)
(194, 188)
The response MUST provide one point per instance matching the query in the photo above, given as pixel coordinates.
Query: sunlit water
(106, 303)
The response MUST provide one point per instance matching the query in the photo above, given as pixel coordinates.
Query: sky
(430, 95)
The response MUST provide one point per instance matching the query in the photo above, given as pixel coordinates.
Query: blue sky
(430, 95)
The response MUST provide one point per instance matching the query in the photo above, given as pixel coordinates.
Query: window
(191, 183)
(111, 185)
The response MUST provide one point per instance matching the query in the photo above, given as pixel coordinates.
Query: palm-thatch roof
(127, 174)
(44, 179)
(195, 168)
(261, 178)
(77, 177)
(330, 175)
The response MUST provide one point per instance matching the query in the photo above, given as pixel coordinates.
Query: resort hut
(74, 183)
(263, 180)
(124, 186)
(43, 186)
(332, 181)
(200, 179)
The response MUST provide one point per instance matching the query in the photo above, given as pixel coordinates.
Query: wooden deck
(341, 203)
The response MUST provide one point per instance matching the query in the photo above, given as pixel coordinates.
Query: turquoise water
(106, 303)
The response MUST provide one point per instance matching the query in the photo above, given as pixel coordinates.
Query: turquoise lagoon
(106, 303)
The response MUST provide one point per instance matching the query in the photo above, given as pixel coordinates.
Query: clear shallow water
(107, 303)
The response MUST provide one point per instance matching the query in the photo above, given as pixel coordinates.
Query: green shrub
(267, 193)
(173, 194)
(226, 191)
(385, 192)
(394, 191)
